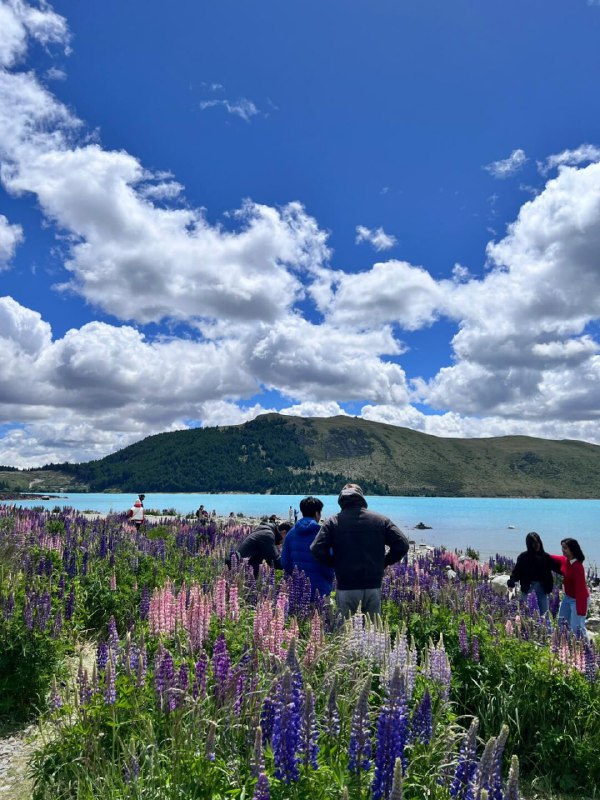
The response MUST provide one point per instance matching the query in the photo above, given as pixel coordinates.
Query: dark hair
(310, 505)
(531, 540)
(574, 547)
(284, 526)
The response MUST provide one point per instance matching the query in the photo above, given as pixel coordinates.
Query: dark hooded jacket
(296, 553)
(533, 565)
(353, 543)
(261, 545)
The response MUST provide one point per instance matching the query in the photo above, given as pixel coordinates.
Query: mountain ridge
(281, 454)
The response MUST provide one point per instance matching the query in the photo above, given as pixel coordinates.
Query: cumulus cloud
(312, 409)
(507, 166)
(580, 155)
(243, 108)
(390, 292)
(10, 237)
(522, 350)
(379, 239)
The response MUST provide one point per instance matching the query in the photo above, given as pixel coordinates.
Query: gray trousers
(348, 601)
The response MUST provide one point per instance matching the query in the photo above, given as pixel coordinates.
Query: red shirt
(574, 582)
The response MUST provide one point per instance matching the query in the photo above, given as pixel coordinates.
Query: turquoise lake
(489, 525)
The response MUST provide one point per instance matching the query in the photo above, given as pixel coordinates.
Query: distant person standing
(136, 512)
(291, 514)
(296, 548)
(354, 543)
(534, 571)
(574, 604)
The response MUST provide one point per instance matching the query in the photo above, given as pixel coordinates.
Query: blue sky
(212, 210)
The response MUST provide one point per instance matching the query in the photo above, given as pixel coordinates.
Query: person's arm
(515, 575)
(581, 592)
(286, 556)
(269, 551)
(396, 541)
(557, 563)
(322, 546)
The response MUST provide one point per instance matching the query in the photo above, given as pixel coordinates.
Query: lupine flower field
(200, 681)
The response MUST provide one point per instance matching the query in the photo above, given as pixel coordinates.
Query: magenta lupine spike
(315, 640)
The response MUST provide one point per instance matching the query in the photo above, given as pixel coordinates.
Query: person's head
(281, 532)
(572, 550)
(141, 497)
(351, 495)
(533, 542)
(311, 507)
(273, 518)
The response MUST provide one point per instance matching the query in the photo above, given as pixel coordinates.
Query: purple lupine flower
(57, 625)
(140, 677)
(359, 748)
(113, 636)
(9, 606)
(131, 770)
(101, 655)
(221, 662)
(463, 642)
(286, 731)
(28, 613)
(467, 763)
(70, 604)
(211, 738)
(512, 785)
(199, 688)
(475, 648)
(332, 713)
(483, 773)
(144, 602)
(309, 748)
(495, 781)
(267, 718)
(262, 790)
(591, 669)
(438, 669)
(257, 762)
(55, 698)
(392, 733)
(396, 793)
(421, 723)
(110, 688)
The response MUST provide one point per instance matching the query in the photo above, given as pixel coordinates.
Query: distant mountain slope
(293, 455)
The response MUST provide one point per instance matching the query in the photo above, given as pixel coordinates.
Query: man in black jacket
(262, 544)
(354, 543)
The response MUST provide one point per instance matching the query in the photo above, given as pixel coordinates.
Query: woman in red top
(574, 605)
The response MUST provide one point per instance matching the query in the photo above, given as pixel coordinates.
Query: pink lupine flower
(113, 582)
(508, 627)
(221, 598)
(234, 608)
(315, 640)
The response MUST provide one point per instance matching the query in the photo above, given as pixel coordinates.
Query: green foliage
(291, 455)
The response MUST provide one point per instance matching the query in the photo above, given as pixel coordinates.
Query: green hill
(293, 455)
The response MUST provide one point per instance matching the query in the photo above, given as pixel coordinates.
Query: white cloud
(18, 20)
(10, 237)
(581, 155)
(508, 166)
(56, 74)
(390, 292)
(378, 238)
(313, 409)
(522, 338)
(243, 108)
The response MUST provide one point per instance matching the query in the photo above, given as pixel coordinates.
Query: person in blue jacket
(296, 548)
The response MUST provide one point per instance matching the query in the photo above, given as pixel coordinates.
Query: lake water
(489, 525)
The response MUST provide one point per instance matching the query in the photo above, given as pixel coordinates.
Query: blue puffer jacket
(296, 553)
